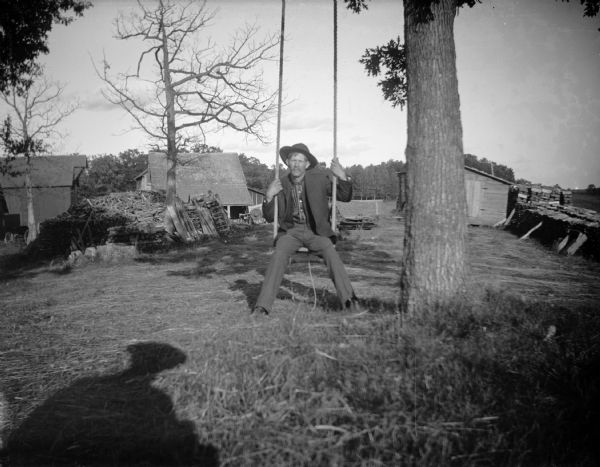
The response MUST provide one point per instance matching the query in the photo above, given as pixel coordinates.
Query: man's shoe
(259, 310)
(352, 306)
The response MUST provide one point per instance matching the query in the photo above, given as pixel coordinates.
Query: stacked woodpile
(358, 214)
(201, 218)
(136, 218)
(565, 197)
(539, 194)
(544, 194)
(566, 229)
(210, 215)
(116, 217)
(219, 216)
(357, 223)
(179, 225)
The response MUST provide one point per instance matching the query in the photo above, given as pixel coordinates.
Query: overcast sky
(529, 82)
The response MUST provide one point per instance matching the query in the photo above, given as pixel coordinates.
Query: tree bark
(171, 187)
(32, 230)
(433, 270)
(32, 225)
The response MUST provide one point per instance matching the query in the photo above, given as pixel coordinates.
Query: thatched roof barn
(197, 174)
(52, 178)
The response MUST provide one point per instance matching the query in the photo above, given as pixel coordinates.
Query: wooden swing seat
(304, 255)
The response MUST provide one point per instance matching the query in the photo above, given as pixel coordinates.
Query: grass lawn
(157, 361)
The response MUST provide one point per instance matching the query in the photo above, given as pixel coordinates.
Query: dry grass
(157, 360)
(524, 268)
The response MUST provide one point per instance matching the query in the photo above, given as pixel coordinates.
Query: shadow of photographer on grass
(117, 419)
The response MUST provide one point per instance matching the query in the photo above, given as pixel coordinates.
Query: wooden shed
(258, 196)
(487, 196)
(53, 180)
(198, 174)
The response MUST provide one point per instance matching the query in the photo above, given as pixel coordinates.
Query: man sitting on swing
(303, 218)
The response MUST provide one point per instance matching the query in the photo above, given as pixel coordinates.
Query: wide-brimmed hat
(285, 152)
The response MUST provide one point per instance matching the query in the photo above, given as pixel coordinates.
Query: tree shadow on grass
(252, 254)
(118, 419)
(289, 290)
(243, 254)
(325, 299)
(19, 266)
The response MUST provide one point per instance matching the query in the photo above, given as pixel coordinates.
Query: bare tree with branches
(179, 91)
(37, 112)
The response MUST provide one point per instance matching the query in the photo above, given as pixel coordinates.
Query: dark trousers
(287, 245)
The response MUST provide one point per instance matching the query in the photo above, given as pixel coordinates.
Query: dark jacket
(318, 188)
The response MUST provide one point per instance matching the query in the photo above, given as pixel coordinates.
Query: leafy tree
(102, 176)
(487, 166)
(133, 162)
(591, 187)
(258, 175)
(434, 264)
(193, 90)
(389, 60)
(358, 182)
(376, 181)
(504, 172)
(108, 173)
(522, 181)
(24, 28)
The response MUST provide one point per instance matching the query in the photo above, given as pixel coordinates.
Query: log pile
(202, 218)
(544, 194)
(209, 214)
(136, 218)
(565, 197)
(356, 223)
(358, 214)
(219, 216)
(153, 235)
(116, 217)
(566, 229)
(179, 226)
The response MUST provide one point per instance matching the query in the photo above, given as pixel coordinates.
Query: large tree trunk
(434, 245)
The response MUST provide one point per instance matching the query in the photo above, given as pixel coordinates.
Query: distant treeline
(376, 181)
(110, 173)
(592, 189)
(490, 167)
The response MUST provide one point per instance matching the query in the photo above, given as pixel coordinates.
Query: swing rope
(281, 43)
(335, 89)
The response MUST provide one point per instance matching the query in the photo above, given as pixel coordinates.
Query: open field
(581, 199)
(156, 360)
